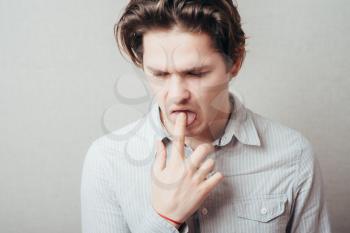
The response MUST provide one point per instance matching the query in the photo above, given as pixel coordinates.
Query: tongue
(190, 117)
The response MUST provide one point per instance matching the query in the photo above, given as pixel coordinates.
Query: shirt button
(204, 211)
(263, 210)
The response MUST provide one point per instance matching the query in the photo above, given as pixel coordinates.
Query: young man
(199, 161)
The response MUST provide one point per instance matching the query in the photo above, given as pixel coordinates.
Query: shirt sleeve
(153, 223)
(100, 209)
(309, 210)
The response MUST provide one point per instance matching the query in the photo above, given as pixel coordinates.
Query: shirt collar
(240, 125)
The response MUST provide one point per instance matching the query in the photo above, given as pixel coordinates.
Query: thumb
(160, 156)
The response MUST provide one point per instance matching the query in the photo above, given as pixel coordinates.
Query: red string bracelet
(176, 222)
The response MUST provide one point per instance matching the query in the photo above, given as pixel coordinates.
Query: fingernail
(182, 115)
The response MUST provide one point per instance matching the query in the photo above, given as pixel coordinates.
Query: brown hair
(218, 18)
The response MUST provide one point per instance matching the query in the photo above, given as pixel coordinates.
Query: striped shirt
(272, 180)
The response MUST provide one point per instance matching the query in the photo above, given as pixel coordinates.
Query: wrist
(173, 222)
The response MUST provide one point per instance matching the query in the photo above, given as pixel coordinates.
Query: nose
(178, 91)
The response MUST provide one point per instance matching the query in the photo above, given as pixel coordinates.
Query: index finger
(179, 137)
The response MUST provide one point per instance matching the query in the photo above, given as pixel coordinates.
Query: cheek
(213, 84)
(205, 111)
(197, 87)
(209, 109)
(157, 88)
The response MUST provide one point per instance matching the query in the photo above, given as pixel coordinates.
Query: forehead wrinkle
(155, 44)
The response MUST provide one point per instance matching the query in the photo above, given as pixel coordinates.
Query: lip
(181, 109)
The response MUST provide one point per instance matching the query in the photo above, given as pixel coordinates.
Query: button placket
(188, 151)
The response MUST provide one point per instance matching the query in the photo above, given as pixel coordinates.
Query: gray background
(59, 65)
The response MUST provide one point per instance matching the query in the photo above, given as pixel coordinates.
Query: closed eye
(198, 74)
(162, 75)
(159, 75)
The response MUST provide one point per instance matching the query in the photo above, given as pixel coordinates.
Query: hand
(179, 185)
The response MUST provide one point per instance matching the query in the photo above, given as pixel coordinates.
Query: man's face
(169, 60)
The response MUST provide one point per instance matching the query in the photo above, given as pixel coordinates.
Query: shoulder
(277, 135)
(111, 144)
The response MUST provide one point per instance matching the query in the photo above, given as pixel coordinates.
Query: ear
(237, 65)
(235, 68)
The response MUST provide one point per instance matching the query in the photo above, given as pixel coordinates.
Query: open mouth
(190, 116)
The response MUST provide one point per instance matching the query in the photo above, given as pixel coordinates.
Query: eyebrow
(193, 69)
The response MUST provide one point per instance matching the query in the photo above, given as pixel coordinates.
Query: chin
(193, 130)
